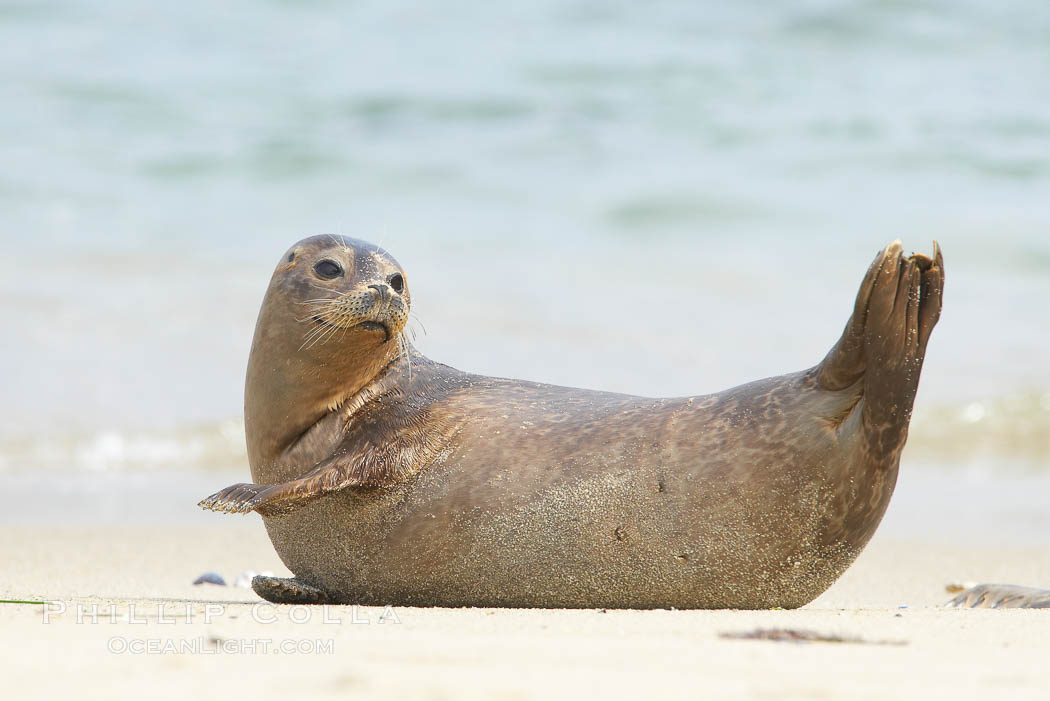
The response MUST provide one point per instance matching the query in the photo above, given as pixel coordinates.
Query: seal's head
(331, 320)
(342, 285)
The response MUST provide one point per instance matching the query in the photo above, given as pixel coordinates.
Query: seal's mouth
(375, 326)
(366, 325)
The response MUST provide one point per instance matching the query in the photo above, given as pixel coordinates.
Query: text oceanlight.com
(119, 645)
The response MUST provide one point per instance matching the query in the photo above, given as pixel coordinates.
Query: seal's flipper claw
(288, 591)
(1001, 596)
(235, 499)
(923, 261)
(931, 297)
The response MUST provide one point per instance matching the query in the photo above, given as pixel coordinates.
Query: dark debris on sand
(793, 635)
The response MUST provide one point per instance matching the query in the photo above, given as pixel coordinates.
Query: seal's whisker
(338, 243)
(315, 334)
(339, 322)
(329, 290)
(342, 243)
(325, 306)
(322, 314)
(418, 321)
(383, 238)
(323, 338)
(404, 352)
(312, 336)
(412, 327)
(325, 331)
(334, 325)
(344, 326)
(324, 310)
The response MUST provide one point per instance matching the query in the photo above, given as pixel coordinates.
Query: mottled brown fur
(432, 486)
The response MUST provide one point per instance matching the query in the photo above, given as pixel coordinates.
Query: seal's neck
(289, 388)
(388, 429)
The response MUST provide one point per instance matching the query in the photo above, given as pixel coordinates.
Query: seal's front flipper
(268, 500)
(274, 499)
(288, 591)
(1002, 596)
(392, 439)
(331, 475)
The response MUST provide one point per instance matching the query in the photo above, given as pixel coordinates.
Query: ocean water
(659, 198)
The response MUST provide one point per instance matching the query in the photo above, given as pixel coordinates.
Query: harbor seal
(384, 477)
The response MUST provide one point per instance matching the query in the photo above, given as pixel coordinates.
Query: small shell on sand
(210, 578)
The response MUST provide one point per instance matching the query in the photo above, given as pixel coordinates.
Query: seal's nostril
(397, 281)
(382, 290)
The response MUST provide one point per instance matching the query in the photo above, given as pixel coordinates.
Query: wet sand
(235, 648)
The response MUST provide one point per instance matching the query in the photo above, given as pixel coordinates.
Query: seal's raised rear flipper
(1001, 596)
(884, 343)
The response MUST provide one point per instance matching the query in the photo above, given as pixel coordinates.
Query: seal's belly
(624, 526)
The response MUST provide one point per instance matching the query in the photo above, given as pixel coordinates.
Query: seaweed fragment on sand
(794, 635)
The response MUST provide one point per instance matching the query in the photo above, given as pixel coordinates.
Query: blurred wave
(1013, 430)
(1012, 434)
(213, 447)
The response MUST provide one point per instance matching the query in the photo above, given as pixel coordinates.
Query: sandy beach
(176, 640)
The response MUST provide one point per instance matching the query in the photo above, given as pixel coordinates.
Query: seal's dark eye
(397, 282)
(328, 269)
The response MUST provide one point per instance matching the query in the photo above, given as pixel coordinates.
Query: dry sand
(146, 571)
